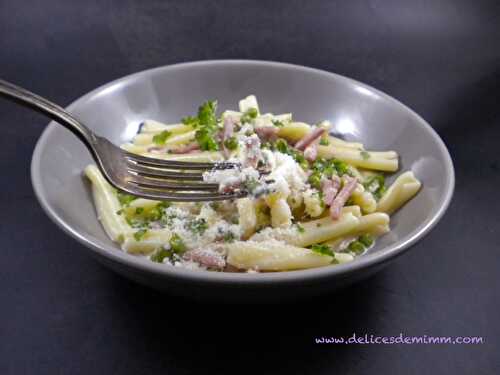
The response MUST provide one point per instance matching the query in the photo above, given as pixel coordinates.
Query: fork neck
(46, 107)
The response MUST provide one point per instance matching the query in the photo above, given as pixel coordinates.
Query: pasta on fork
(312, 199)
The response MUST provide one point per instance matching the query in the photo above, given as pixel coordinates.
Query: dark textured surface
(61, 312)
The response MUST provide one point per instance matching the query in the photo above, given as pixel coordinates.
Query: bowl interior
(166, 94)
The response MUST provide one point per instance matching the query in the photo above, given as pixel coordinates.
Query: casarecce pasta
(313, 199)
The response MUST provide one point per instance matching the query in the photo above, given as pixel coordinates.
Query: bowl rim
(145, 265)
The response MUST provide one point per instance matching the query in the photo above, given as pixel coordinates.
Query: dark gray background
(61, 312)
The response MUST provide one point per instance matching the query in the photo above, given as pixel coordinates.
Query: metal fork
(150, 178)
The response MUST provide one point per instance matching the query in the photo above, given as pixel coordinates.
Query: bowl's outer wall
(167, 94)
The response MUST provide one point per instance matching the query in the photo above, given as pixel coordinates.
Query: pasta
(312, 199)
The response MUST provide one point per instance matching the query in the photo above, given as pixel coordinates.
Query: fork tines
(174, 164)
(174, 180)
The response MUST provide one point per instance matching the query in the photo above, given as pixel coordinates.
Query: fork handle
(46, 107)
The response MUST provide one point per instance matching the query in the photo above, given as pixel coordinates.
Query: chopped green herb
(324, 141)
(300, 228)
(321, 200)
(125, 199)
(249, 115)
(325, 167)
(162, 137)
(156, 212)
(356, 247)
(315, 180)
(135, 223)
(176, 244)
(278, 123)
(205, 139)
(375, 185)
(119, 212)
(366, 240)
(139, 210)
(341, 167)
(231, 143)
(164, 204)
(365, 155)
(198, 226)
(282, 146)
(228, 237)
(159, 255)
(140, 234)
(190, 120)
(380, 192)
(301, 160)
(168, 219)
(206, 114)
(322, 249)
(206, 125)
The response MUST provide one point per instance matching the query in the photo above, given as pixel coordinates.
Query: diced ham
(228, 128)
(311, 151)
(342, 197)
(252, 152)
(186, 149)
(309, 138)
(207, 257)
(157, 150)
(267, 133)
(330, 189)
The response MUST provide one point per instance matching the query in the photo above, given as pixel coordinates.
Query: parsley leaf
(190, 121)
(125, 199)
(206, 114)
(159, 255)
(177, 244)
(140, 234)
(375, 185)
(322, 249)
(205, 139)
(198, 226)
(356, 247)
(366, 240)
(228, 237)
(249, 115)
(341, 167)
(161, 138)
(231, 143)
(315, 180)
(206, 125)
